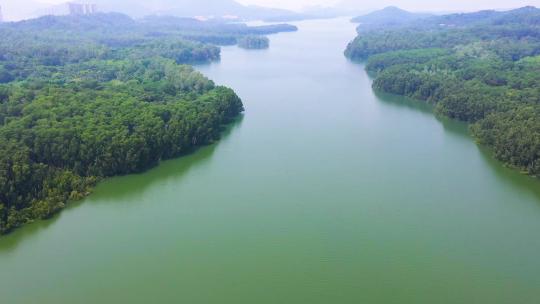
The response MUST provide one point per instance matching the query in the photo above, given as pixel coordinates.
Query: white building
(79, 9)
(70, 8)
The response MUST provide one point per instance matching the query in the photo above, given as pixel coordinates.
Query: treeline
(482, 68)
(77, 106)
(37, 46)
(99, 119)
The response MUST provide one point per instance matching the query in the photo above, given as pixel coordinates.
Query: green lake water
(323, 192)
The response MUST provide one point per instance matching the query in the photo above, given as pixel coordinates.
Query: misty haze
(269, 151)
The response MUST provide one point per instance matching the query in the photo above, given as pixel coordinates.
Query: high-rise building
(90, 8)
(80, 9)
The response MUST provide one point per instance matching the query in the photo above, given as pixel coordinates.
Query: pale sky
(20, 9)
(290, 4)
(417, 5)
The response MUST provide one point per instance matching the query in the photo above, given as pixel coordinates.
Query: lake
(323, 192)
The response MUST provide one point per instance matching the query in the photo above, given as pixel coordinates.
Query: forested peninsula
(482, 68)
(88, 97)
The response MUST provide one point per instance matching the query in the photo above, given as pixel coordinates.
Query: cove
(324, 192)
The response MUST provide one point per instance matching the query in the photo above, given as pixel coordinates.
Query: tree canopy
(79, 103)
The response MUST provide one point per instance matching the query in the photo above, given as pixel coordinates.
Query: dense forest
(83, 98)
(482, 68)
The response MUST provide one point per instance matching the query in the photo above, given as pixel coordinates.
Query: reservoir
(323, 192)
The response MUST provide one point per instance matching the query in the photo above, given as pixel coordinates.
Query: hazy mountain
(189, 8)
(395, 18)
(389, 15)
(327, 12)
(24, 9)
(530, 14)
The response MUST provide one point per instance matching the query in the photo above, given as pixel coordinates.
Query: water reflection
(516, 178)
(175, 168)
(461, 129)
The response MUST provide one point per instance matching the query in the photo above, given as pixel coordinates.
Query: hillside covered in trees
(91, 97)
(387, 17)
(482, 68)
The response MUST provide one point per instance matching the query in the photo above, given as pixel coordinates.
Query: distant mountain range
(393, 17)
(190, 8)
(22, 9)
(389, 15)
(528, 14)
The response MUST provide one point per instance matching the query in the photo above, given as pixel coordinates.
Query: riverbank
(324, 192)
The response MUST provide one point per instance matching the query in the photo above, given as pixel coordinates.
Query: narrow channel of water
(324, 192)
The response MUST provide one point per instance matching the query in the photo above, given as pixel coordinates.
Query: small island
(254, 42)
